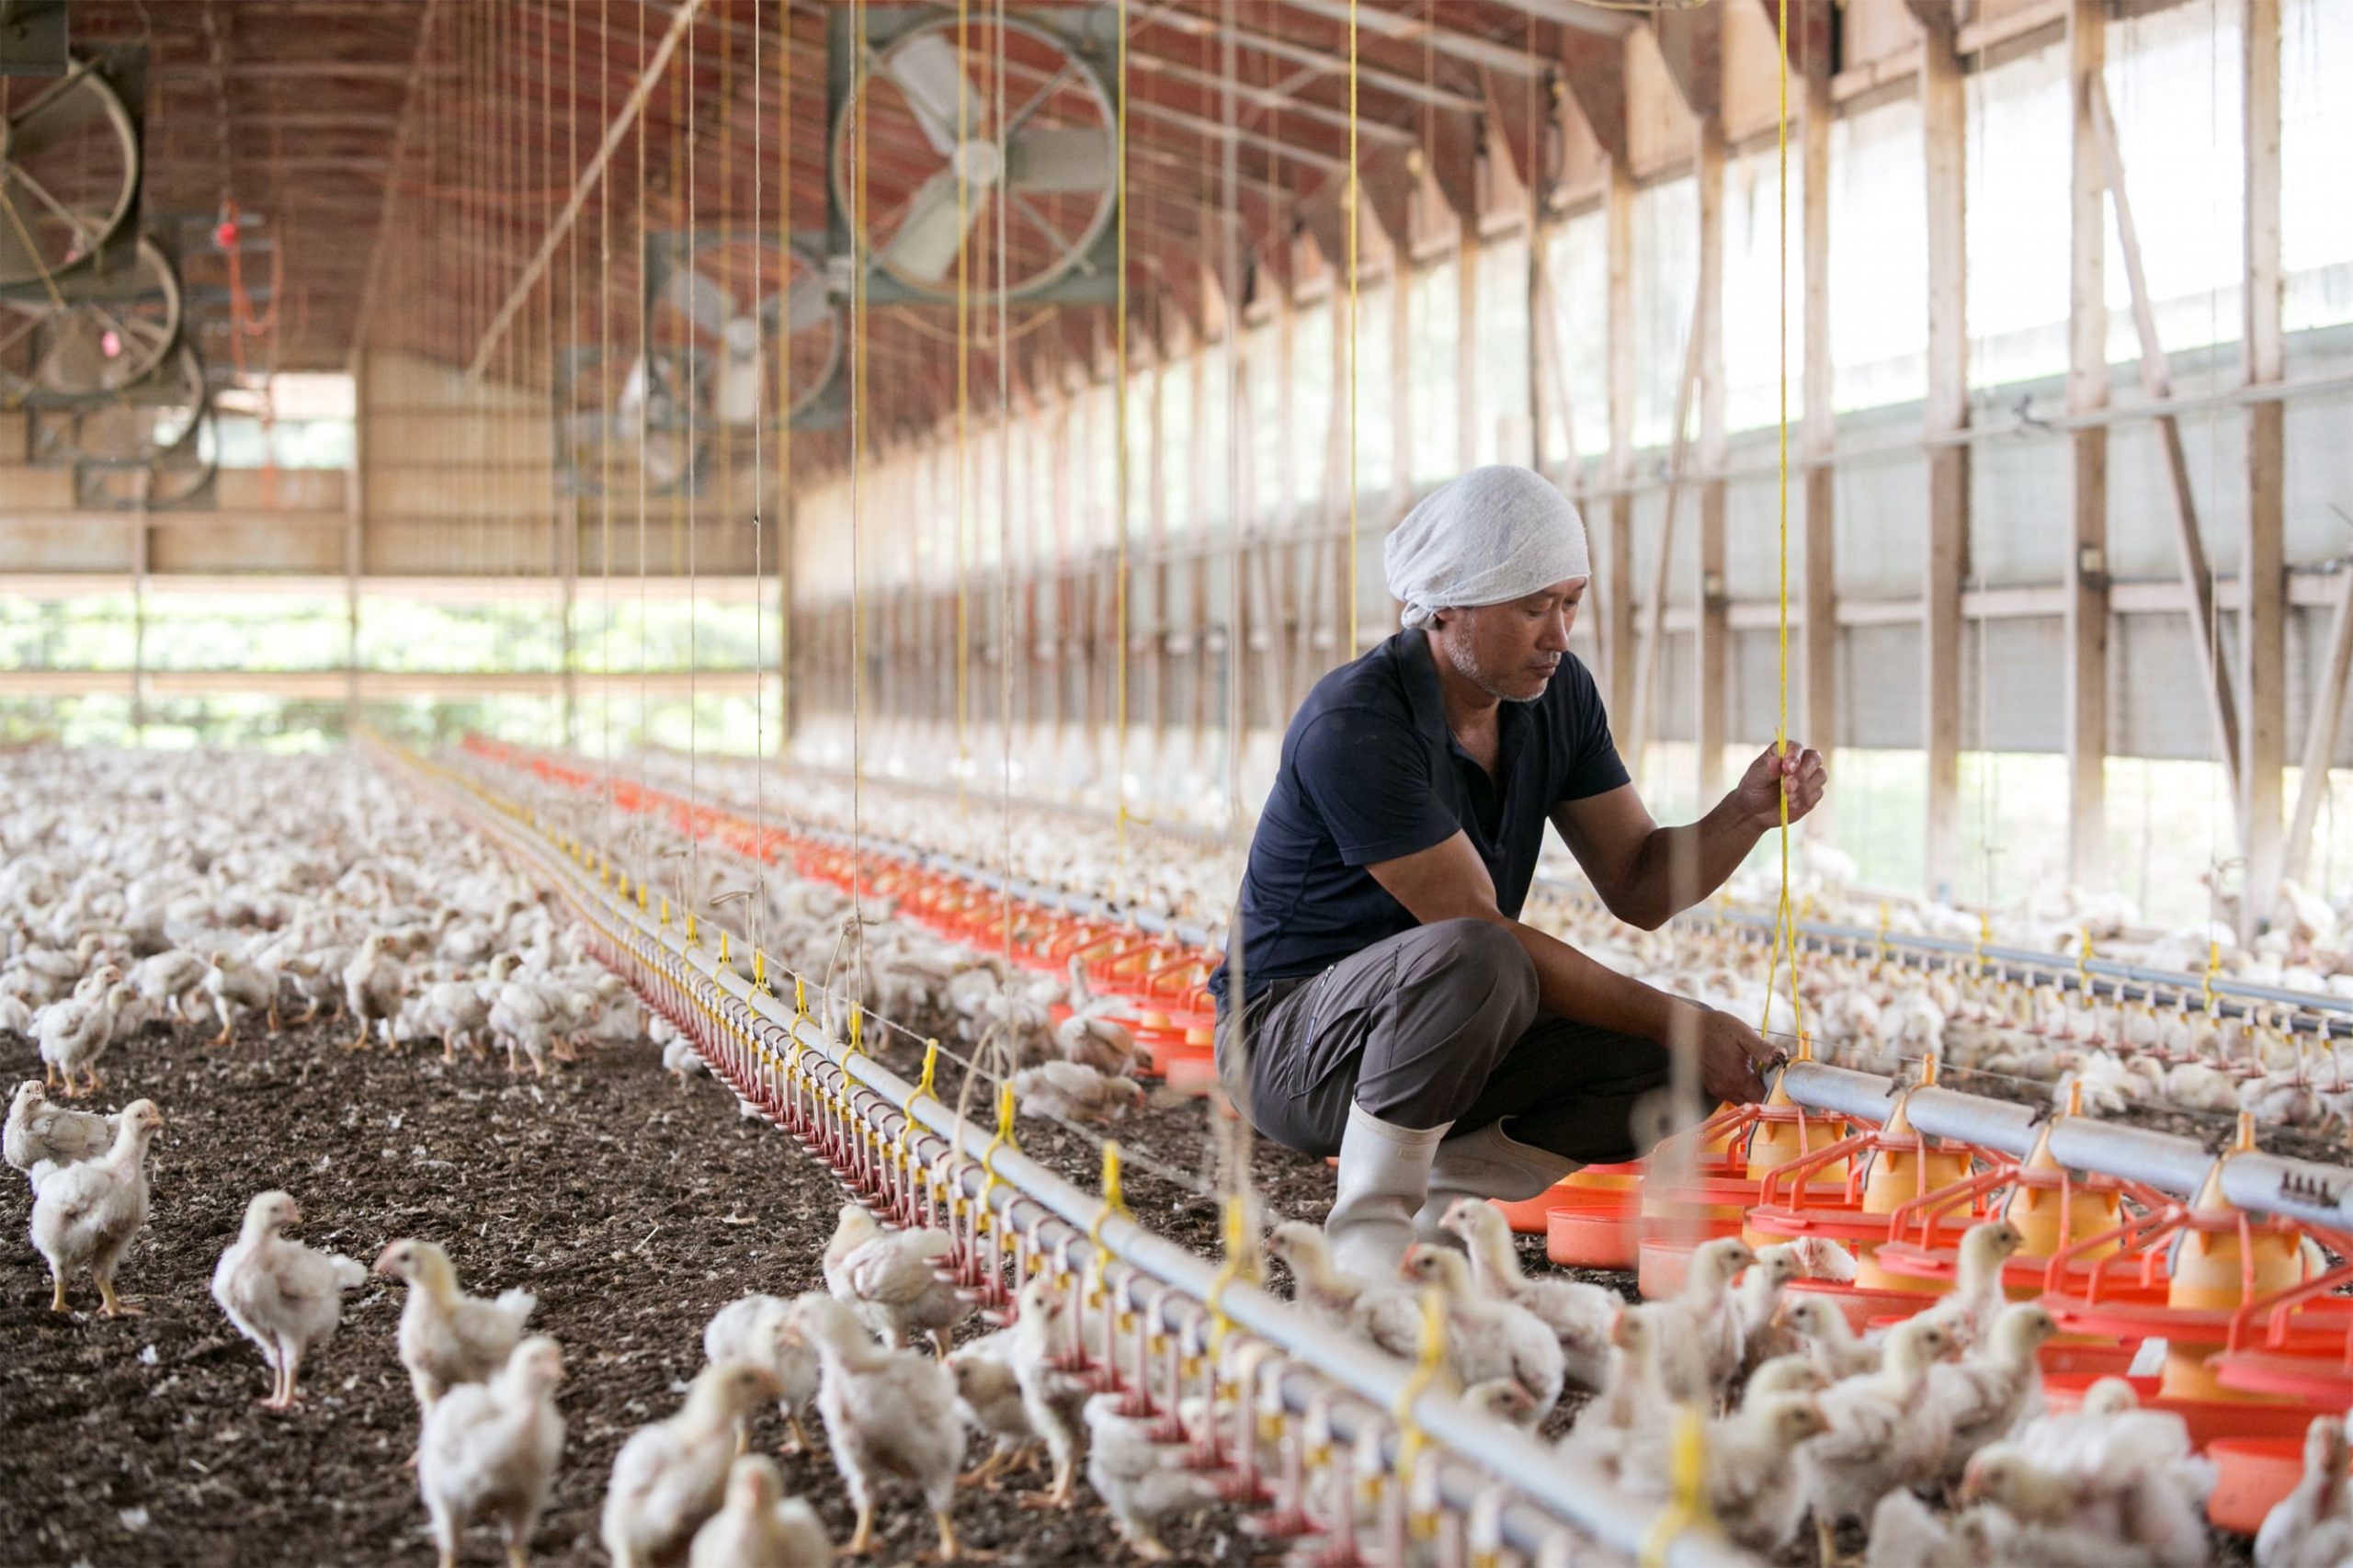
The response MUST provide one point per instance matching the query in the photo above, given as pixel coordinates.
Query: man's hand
(1800, 776)
(1733, 1056)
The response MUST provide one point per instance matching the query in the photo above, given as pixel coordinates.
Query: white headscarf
(1496, 534)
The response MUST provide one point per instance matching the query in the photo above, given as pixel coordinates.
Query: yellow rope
(1688, 1478)
(1120, 420)
(1785, 935)
(1355, 203)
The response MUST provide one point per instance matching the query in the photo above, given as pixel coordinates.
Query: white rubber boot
(1489, 1163)
(1384, 1176)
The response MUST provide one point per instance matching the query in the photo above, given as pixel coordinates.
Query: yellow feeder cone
(2210, 1273)
(1776, 1139)
(1898, 1175)
(2050, 1226)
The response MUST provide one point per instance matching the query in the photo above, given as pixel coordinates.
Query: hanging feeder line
(857, 1115)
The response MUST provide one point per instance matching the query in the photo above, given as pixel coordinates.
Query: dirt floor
(632, 1208)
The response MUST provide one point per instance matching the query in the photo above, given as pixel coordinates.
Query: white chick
(1983, 1397)
(2108, 1466)
(1489, 1336)
(1756, 1301)
(1075, 1092)
(988, 1396)
(452, 1010)
(2051, 1517)
(490, 1451)
(759, 1526)
(681, 1060)
(671, 1476)
(888, 1413)
(1822, 1326)
(1904, 1534)
(169, 980)
(284, 1297)
(1051, 1398)
(74, 1033)
(1578, 1314)
(87, 1214)
(1138, 1477)
(2312, 1526)
(372, 986)
(1977, 1294)
(1091, 1036)
(448, 1338)
(1699, 1344)
(235, 986)
(892, 1278)
(1882, 1433)
(1633, 1402)
(1754, 1484)
(41, 1129)
(1383, 1312)
(759, 1329)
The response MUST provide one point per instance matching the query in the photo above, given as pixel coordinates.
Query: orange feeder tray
(2252, 1476)
(1595, 1236)
(1594, 1186)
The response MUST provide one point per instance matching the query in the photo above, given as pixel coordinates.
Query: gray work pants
(1435, 1026)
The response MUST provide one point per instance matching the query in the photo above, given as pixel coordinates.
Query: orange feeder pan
(2209, 1420)
(1594, 1186)
(1594, 1235)
(2252, 1476)
(1661, 1262)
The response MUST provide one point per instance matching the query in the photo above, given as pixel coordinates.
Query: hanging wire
(1119, 544)
(859, 369)
(1003, 509)
(1785, 935)
(1355, 301)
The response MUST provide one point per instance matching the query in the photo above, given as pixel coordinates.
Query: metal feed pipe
(1560, 1493)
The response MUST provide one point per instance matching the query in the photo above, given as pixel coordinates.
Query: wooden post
(1712, 625)
(1946, 558)
(1820, 436)
(2263, 613)
(568, 572)
(1618, 652)
(2088, 391)
(355, 523)
(140, 539)
(1466, 348)
(2320, 734)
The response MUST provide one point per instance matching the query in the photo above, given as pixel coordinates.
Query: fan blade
(699, 300)
(926, 244)
(805, 307)
(925, 69)
(1070, 160)
(55, 123)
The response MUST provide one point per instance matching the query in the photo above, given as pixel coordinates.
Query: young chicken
(1052, 1398)
(372, 986)
(74, 1033)
(1490, 1336)
(1699, 1344)
(892, 1278)
(170, 980)
(1142, 1481)
(759, 1526)
(1983, 1397)
(759, 1329)
(1633, 1402)
(887, 1413)
(1075, 1092)
(1977, 1293)
(1578, 1314)
(671, 1476)
(1757, 1304)
(988, 1396)
(2109, 1467)
(2045, 1517)
(1384, 1314)
(1754, 1484)
(41, 1130)
(87, 1214)
(235, 986)
(283, 1295)
(1883, 1433)
(2312, 1526)
(1822, 1327)
(1091, 1036)
(454, 1010)
(447, 1336)
(490, 1451)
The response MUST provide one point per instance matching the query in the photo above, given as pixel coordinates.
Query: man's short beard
(1466, 664)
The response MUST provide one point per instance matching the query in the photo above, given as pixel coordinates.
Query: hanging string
(784, 370)
(1355, 206)
(1004, 505)
(964, 396)
(857, 330)
(645, 373)
(605, 446)
(1785, 935)
(759, 413)
(1119, 545)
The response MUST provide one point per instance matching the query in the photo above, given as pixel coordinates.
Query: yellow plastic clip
(2213, 967)
(759, 969)
(1004, 1139)
(1429, 1360)
(692, 932)
(1984, 935)
(1688, 1486)
(1880, 941)
(858, 1035)
(722, 944)
(923, 1087)
(1235, 1266)
(640, 896)
(666, 909)
(800, 998)
(2084, 961)
(1115, 1201)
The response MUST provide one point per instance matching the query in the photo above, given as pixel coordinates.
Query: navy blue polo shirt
(1370, 773)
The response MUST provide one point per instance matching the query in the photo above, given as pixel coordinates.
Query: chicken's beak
(384, 1264)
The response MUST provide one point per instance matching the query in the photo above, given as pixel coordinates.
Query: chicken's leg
(57, 1293)
(1063, 1491)
(111, 1305)
(515, 1556)
(49, 1074)
(861, 1540)
(290, 1367)
(949, 1549)
(1826, 1540)
(798, 1443)
(449, 1048)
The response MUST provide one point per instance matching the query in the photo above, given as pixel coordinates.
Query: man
(1399, 1013)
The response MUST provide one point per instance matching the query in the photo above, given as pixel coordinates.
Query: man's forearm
(1571, 986)
(1679, 866)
